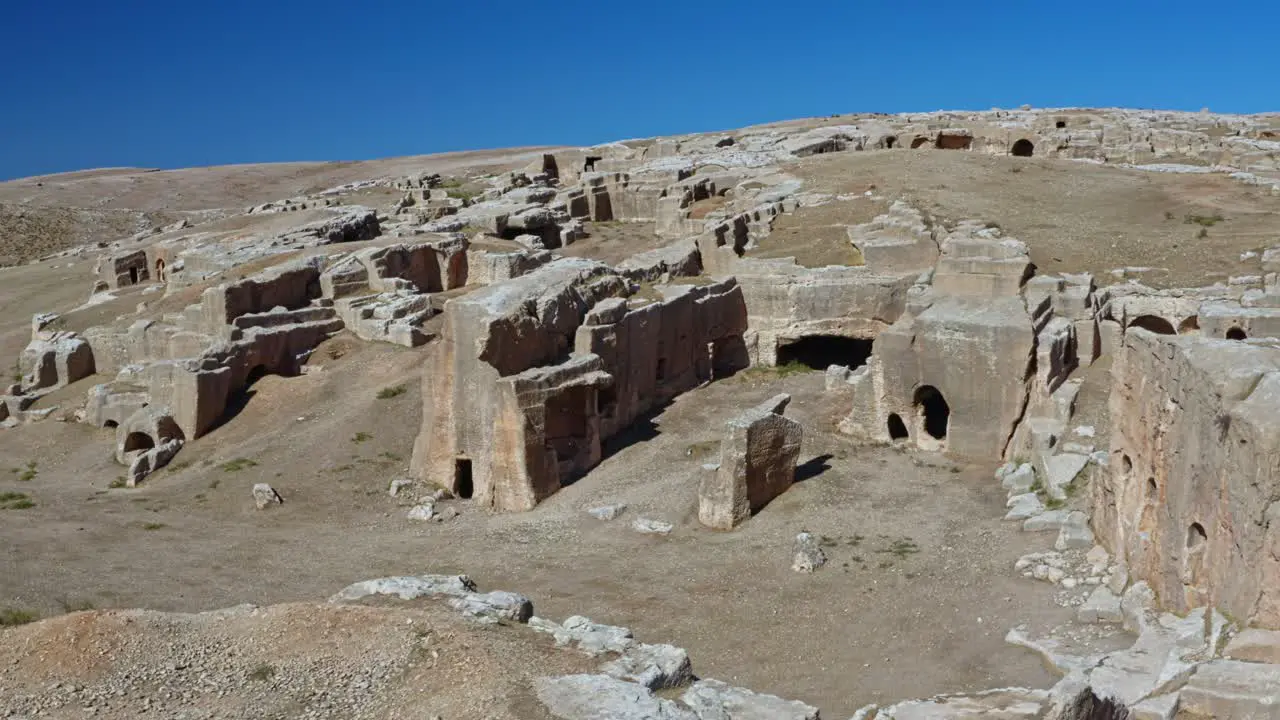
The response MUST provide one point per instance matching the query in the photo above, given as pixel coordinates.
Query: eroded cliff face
(1190, 503)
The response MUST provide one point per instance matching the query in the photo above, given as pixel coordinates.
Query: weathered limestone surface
(786, 302)
(1189, 504)
(56, 359)
(900, 240)
(757, 463)
(531, 374)
(974, 353)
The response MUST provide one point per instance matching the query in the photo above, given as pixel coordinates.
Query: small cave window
(1236, 333)
(590, 163)
(1023, 148)
(935, 414)
(822, 351)
(1060, 124)
(1196, 536)
(1154, 323)
(1153, 490)
(110, 424)
(138, 441)
(256, 374)
(462, 483)
(890, 141)
(606, 402)
(919, 142)
(660, 373)
(1189, 325)
(897, 428)
(1126, 464)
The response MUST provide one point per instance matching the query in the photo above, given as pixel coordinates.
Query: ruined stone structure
(757, 463)
(532, 374)
(1189, 504)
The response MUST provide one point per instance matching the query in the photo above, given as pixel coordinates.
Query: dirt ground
(45, 214)
(916, 599)
(920, 589)
(1074, 216)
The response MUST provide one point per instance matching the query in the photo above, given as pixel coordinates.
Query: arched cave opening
(462, 483)
(897, 428)
(1236, 333)
(257, 373)
(1023, 148)
(822, 351)
(935, 413)
(1189, 325)
(138, 442)
(1154, 323)
(1196, 536)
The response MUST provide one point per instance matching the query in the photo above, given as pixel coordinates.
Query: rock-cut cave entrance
(935, 413)
(1023, 148)
(822, 351)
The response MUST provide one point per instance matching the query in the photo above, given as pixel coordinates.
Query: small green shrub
(118, 483)
(780, 371)
(77, 605)
(10, 617)
(394, 391)
(15, 501)
(238, 464)
(901, 548)
(29, 472)
(262, 673)
(1203, 220)
(361, 437)
(153, 526)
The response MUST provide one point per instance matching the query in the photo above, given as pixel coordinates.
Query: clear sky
(174, 83)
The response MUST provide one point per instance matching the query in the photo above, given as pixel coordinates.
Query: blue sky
(200, 82)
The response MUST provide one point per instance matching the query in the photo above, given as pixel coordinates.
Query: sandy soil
(1074, 216)
(919, 577)
(920, 588)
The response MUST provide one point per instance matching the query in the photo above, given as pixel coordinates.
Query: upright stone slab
(757, 463)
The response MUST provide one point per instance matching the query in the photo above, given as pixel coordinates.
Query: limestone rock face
(600, 697)
(264, 496)
(757, 463)
(807, 554)
(528, 378)
(1194, 468)
(57, 359)
(407, 587)
(715, 700)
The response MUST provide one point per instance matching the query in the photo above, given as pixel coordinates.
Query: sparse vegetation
(462, 193)
(1204, 233)
(1168, 215)
(262, 673)
(10, 617)
(760, 372)
(118, 483)
(238, 464)
(15, 501)
(152, 526)
(1203, 220)
(70, 605)
(26, 473)
(394, 391)
(361, 437)
(702, 449)
(901, 548)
